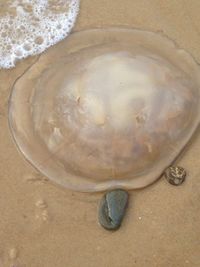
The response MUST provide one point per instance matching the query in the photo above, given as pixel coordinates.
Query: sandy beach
(44, 225)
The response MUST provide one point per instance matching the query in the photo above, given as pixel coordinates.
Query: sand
(44, 225)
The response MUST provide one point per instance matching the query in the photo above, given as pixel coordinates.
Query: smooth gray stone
(112, 209)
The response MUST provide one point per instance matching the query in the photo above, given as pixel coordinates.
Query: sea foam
(28, 27)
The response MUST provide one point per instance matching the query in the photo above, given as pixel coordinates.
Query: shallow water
(28, 27)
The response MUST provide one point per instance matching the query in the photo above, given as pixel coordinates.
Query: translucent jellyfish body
(106, 109)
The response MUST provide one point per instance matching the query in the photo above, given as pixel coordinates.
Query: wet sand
(44, 225)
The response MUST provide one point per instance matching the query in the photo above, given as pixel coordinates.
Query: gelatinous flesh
(106, 109)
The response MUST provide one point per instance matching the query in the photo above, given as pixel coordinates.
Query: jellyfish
(107, 110)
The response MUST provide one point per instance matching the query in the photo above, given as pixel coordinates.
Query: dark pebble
(112, 209)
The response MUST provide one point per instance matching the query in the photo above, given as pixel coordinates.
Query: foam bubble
(28, 27)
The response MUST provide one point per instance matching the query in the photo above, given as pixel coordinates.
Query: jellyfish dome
(106, 109)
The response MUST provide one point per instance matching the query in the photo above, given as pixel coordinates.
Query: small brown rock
(175, 175)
